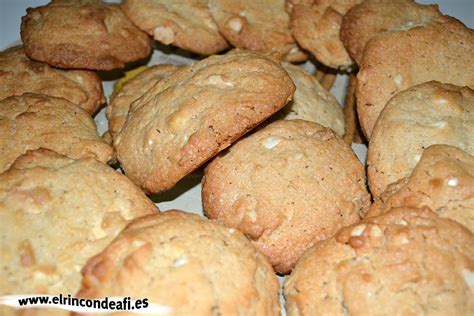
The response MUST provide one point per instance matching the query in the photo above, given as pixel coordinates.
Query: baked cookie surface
(19, 75)
(406, 262)
(443, 180)
(315, 26)
(286, 186)
(203, 108)
(185, 24)
(198, 267)
(33, 121)
(85, 34)
(133, 89)
(56, 213)
(256, 25)
(424, 115)
(440, 50)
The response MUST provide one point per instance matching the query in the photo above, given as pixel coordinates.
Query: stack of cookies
(282, 191)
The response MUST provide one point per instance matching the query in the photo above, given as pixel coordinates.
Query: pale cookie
(443, 180)
(190, 116)
(133, 89)
(33, 121)
(395, 61)
(312, 102)
(372, 17)
(185, 24)
(315, 26)
(406, 262)
(286, 186)
(257, 25)
(185, 265)
(19, 75)
(86, 34)
(424, 115)
(56, 213)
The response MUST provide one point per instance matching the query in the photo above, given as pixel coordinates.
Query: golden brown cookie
(312, 102)
(372, 17)
(56, 213)
(185, 24)
(33, 121)
(185, 265)
(256, 25)
(315, 26)
(202, 109)
(286, 186)
(443, 180)
(406, 262)
(86, 34)
(424, 115)
(19, 75)
(392, 62)
(133, 89)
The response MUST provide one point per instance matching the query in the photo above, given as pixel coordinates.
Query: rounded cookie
(312, 102)
(315, 26)
(286, 186)
(19, 75)
(86, 34)
(203, 108)
(395, 61)
(199, 267)
(257, 25)
(133, 89)
(443, 180)
(32, 121)
(427, 114)
(186, 24)
(406, 262)
(372, 17)
(56, 213)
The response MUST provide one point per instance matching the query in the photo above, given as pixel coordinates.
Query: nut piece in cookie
(257, 25)
(56, 213)
(439, 50)
(405, 262)
(199, 110)
(185, 24)
(443, 180)
(133, 89)
(424, 115)
(19, 75)
(372, 17)
(33, 121)
(286, 186)
(315, 26)
(185, 265)
(85, 34)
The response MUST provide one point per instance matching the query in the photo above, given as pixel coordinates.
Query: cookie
(203, 108)
(56, 213)
(443, 180)
(427, 114)
(199, 267)
(406, 262)
(33, 121)
(315, 26)
(256, 25)
(392, 62)
(133, 89)
(85, 34)
(19, 75)
(372, 17)
(286, 186)
(312, 102)
(185, 24)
